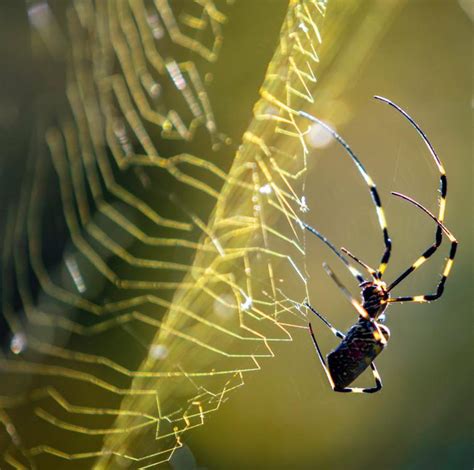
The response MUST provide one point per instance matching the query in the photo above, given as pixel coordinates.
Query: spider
(367, 338)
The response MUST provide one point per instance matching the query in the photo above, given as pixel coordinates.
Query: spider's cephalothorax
(375, 296)
(368, 337)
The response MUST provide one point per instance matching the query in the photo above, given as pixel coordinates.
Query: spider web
(156, 306)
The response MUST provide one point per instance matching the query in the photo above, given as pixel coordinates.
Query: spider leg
(334, 330)
(372, 187)
(370, 270)
(443, 183)
(423, 258)
(377, 388)
(338, 282)
(443, 189)
(378, 380)
(321, 358)
(351, 268)
(355, 303)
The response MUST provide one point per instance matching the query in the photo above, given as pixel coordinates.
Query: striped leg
(378, 380)
(443, 189)
(424, 257)
(378, 335)
(373, 191)
(370, 270)
(421, 260)
(346, 292)
(351, 268)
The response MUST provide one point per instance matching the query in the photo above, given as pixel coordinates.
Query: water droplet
(18, 343)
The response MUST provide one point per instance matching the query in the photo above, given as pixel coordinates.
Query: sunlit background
(417, 53)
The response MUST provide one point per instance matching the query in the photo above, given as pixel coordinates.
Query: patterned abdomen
(354, 354)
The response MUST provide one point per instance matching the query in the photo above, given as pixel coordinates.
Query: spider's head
(374, 296)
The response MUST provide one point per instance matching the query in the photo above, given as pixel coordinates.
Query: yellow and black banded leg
(378, 380)
(372, 187)
(443, 190)
(362, 312)
(378, 335)
(370, 270)
(351, 268)
(423, 258)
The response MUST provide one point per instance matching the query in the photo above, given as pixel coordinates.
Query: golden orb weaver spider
(367, 338)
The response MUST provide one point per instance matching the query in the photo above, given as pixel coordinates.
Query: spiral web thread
(193, 329)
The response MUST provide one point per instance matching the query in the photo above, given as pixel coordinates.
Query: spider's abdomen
(355, 353)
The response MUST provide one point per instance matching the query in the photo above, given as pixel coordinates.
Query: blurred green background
(286, 416)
